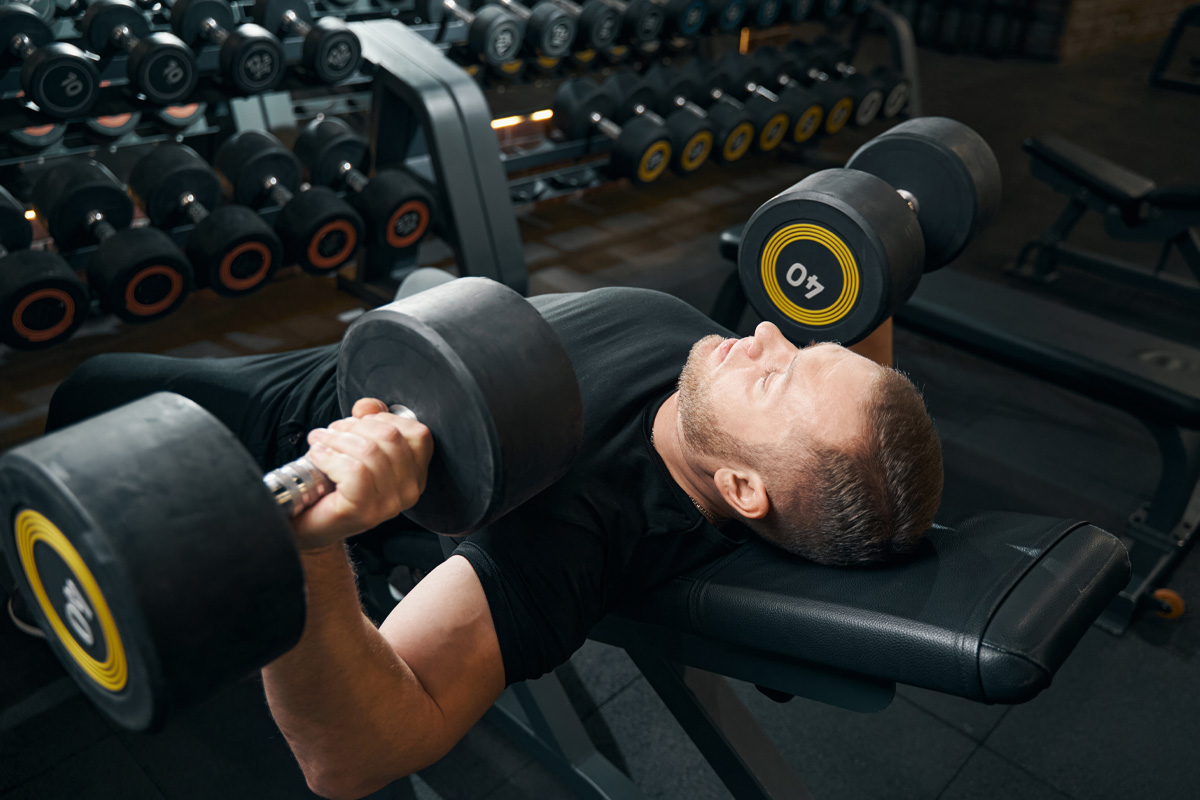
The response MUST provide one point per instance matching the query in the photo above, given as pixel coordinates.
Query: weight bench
(1134, 208)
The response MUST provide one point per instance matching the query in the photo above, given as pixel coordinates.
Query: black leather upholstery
(988, 611)
(1065, 166)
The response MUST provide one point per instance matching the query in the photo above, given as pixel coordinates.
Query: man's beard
(697, 417)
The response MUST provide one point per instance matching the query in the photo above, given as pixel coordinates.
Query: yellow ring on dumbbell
(648, 169)
(31, 528)
(839, 115)
(773, 132)
(826, 238)
(739, 141)
(702, 140)
(808, 124)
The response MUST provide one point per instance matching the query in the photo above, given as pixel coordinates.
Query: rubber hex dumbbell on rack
(596, 26)
(187, 578)
(42, 300)
(160, 67)
(136, 273)
(549, 28)
(57, 76)
(798, 66)
(896, 90)
(685, 18)
(641, 20)
(835, 59)
(250, 56)
(722, 103)
(637, 96)
(725, 16)
(320, 230)
(741, 77)
(731, 128)
(763, 13)
(395, 207)
(331, 52)
(493, 34)
(809, 109)
(232, 250)
(835, 255)
(641, 148)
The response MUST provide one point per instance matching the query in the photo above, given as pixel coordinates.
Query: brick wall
(1096, 26)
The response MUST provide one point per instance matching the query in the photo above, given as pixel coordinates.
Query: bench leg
(540, 717)
(1189, 246)
(1045, 247)
(724, 730)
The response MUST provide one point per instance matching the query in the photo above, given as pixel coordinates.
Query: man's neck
(667, 437)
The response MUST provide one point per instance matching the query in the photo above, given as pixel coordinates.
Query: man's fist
(378, 462)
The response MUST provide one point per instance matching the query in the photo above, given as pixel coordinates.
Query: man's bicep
(443, 631)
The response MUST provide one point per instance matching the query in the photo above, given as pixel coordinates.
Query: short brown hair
(867, 503)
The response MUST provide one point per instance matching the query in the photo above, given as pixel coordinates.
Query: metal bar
(904, 52)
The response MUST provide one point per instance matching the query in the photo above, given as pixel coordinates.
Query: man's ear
(743, 490)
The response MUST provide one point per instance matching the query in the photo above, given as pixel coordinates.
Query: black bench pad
(1111, 182)
(1150, 377)
(988, 611)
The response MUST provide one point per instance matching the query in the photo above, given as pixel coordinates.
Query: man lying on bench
(693, 441)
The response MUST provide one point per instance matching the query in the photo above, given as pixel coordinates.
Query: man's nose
(769, 337)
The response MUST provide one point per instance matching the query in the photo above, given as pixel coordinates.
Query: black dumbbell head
(643, 151)
(234, 251)
(161, 179)
(806, 111)
(868, 98)
(800, 10)
(551, 28)
(42, 300)
(321, 232)
(727, 15)
(763, 13)
(575, 102)
(686, 17)
(162, 68)
(951, 171)
(15, 231)
(396, 209)
(252, 59)
(631, 91)
(332, 52)
(248, 158)
(691, 141)
(643, 21)
(895, 90)
(103, 17)
(495, 35)
(187, 17)
(139, 275)
(20, 20)
(325, 144)
(669, 83)
(61, 80)
(66, 193)
(773, 122)
(733, 131)
(599, 24)
(37, 137)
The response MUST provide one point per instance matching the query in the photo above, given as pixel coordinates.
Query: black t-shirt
(617, 524)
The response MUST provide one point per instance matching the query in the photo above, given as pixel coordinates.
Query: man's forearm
(344, 700)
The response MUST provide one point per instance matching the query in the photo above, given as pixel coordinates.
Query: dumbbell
(761, 113)
(396, 209)
(137, 274)
(834, 58)
(732, 129)
(160, 67)
(320, 230)
(596, 26)
(57, 76)
(763, 13)
(158, 558)
(331, 51)
(42, 300)
(36, 138)
(799, 10)
(184, 116)
(493, 34)
(549, 29)
(795, 67)
(741, 77)
(641, 20)
(232, 250)
(250, 56)
(684, 18)
(725, 16)
(836, 254)
(641, 148)
(691, 136)
(896, 90)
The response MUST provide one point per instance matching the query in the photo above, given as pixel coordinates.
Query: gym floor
(1121, 719)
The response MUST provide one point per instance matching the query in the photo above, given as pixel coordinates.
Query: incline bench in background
(1133, 207)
